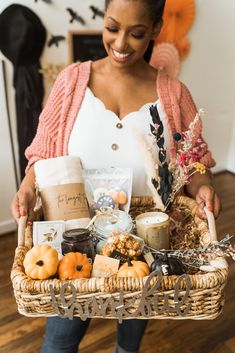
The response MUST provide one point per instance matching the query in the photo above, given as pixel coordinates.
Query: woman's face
(128, 29)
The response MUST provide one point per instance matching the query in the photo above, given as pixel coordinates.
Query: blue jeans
(64, 335)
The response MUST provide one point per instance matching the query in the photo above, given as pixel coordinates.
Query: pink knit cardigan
(57, 118)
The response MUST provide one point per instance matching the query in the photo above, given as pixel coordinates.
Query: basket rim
(21, 282)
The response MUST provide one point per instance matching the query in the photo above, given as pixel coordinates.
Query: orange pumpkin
(41, 262)
(74, 265)
(133, 269)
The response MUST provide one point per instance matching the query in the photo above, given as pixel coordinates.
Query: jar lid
(115, 221)
(78, 234)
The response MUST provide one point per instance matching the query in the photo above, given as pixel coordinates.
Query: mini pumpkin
(133, 269)
(41, 262)
(74, 265)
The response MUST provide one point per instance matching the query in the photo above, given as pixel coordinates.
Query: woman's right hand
(23, 202)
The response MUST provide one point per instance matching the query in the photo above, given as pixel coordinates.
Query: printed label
(119, 256)
(67, 201)
(149, 258)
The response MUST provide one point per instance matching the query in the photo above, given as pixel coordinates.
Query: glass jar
(116, 220)
(106, 223)
(78, 240)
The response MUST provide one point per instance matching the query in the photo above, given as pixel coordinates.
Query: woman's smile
(120, 56)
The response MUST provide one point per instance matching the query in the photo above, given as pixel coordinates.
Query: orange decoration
(178, 18)
(183, 47)
(74, 265)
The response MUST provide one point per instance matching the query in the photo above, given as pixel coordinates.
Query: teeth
(120, 55)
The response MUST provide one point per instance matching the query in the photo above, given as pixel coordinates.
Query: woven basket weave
(122, 298)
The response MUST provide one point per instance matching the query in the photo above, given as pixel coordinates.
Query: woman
(93, 112)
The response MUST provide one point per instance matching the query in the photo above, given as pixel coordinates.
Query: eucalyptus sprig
(201, 255)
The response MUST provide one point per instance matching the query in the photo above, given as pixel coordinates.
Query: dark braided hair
(155, 8)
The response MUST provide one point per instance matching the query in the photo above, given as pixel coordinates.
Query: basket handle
(211, 225)
(21, 230)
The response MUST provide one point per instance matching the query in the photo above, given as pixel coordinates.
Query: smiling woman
(128, 31)
(99, 111)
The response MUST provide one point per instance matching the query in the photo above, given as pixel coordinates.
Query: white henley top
(102, 140)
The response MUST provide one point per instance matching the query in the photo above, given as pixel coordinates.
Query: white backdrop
(7, 177)
(209, 72)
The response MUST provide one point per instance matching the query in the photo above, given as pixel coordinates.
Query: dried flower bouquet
(174, 175)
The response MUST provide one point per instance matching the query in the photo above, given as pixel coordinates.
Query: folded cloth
(58, 171)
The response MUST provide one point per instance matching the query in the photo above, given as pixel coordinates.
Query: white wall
(7, 177)
(231, 156)
(209, 71)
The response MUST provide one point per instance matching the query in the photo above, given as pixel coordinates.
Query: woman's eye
(110, 29)
(138, 35)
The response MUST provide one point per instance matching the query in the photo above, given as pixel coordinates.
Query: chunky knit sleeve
(44, 143)
(188, 112)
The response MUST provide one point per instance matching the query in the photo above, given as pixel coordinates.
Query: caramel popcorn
(124, 243)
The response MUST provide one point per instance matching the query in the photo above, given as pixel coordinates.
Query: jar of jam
(78, 240)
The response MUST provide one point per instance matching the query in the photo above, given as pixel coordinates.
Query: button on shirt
(102, 140)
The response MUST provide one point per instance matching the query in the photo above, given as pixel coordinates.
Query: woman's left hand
(206, 196)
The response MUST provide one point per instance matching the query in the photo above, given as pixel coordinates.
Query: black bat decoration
(46, 1)
(75, 16)
(96, 12)
(54, 40)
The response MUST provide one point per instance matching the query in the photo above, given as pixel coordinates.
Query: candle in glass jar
(153, 227)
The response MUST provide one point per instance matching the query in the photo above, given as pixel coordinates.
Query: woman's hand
(206, 196)
(23, 202)
(200, 188)
(25, 199)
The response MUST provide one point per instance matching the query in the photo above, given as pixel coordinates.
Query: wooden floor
(19, 334)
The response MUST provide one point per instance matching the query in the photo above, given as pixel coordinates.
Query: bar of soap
(104, 266)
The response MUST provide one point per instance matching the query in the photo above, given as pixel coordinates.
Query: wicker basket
(196, 296)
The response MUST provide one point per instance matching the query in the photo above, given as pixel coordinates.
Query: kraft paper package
(60, 184)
